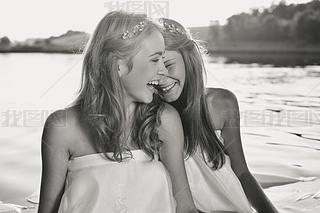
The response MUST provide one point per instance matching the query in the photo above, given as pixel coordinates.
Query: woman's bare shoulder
(66, 119)
(169, 112)
(61, 128)
(170, 123)
(221, 98)
(221, 104)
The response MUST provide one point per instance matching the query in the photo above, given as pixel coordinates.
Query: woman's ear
(122, 67)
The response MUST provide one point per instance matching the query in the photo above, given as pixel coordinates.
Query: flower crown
(171, 28)
(135, 30)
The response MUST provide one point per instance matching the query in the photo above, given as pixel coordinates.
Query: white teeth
(167, 88)
(153, 83)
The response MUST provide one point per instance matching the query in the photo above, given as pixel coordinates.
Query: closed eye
(169, 64)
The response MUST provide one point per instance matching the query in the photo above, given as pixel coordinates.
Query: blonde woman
(101, 154)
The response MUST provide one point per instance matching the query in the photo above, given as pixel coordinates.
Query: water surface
(280, 115)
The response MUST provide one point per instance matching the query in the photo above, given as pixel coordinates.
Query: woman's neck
(130, 110)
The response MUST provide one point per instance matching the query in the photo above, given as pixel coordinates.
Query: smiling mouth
(152, 84)
(167, 88)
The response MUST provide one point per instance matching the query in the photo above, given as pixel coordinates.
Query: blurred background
(266, 52)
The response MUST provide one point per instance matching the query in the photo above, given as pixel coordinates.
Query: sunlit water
(280, 115)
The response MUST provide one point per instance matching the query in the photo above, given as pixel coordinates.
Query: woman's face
(171, 85)
(139, 82)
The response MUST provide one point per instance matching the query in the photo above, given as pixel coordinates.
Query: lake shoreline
(211, 50)
(74, 42)
(275, 58)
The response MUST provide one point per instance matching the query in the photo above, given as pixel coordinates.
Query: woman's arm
(55, 155)
(172, 156)
(224, 105)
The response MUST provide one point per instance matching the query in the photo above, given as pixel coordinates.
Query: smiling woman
(139, 81)
(172, 86)
(101, 154)
(216, 168)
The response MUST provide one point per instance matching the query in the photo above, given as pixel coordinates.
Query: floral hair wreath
(171, 27)
(135, 30)
(141, 26)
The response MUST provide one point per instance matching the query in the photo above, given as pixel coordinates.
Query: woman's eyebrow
(157, 53)
(169, 60)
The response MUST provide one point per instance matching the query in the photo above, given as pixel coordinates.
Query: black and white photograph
(166, 106)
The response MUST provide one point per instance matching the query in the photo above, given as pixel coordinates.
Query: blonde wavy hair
(100, 100)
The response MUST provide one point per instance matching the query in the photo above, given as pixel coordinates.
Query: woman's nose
(162, 69)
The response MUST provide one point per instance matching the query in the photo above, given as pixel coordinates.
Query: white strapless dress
(214, 190)
(96, 184)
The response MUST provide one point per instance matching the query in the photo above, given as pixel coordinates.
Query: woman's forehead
(153, 44)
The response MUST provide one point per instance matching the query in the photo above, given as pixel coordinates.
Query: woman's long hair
(101, 99)
(192, 104)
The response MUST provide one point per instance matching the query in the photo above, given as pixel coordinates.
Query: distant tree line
(276, 23)
(4, 41)
(281, 22)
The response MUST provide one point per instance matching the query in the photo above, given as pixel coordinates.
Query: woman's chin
(147, 100)
(170, 97)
